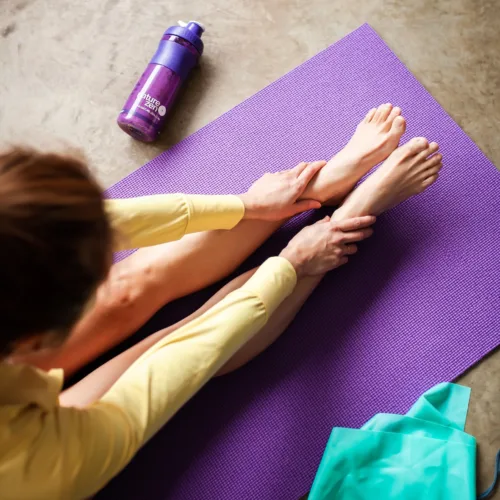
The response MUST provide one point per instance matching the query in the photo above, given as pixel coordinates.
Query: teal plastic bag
(424, 454)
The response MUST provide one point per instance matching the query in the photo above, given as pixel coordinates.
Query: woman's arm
(151, 220)
(96, 384)
(73, 452)
(176, 367)
(67, 452)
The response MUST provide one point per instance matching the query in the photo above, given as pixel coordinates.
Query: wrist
(291, 257)
(249, 212)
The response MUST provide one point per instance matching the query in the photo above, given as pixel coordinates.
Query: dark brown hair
(55, 243)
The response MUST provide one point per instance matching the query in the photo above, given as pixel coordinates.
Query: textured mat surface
(417, 306)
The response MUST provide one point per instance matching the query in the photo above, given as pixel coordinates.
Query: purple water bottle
(146, 109)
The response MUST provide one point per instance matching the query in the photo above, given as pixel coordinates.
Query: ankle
(349, 209)
(340, 214)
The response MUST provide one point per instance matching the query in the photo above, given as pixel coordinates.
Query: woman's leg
(96, 384)
(138, 286)
(408, 171)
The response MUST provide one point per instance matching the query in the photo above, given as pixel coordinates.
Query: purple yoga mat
(418, 305)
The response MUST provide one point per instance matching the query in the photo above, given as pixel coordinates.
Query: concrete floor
(66, 70)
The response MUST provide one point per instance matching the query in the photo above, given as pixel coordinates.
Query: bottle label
(153, 105)
(153, 94)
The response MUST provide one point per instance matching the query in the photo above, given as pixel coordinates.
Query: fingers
(299, 168)
(308, 172)
(303, 206)
(302, 166)
(370, 115)
(355, 236)
(356, 223)
(350, 249)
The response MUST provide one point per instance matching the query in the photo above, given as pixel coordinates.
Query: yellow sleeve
(74, 452)
(151, 220)
(167, 375)
(66, 453)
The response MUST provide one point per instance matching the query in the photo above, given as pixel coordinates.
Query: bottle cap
(190, 31)
(195, 26)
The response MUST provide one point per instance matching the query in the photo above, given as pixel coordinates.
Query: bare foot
(409, 170)
(375, 139)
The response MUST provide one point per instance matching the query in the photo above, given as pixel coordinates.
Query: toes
(434, 170)
(415, 146)
(431, 149)
(383, 112)
(369, 116)
(432, 161)
(426, 154)
(395, 112)
(428, 181)
(430, 171)
(398, 125)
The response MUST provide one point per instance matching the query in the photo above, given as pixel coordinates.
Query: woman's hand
(275, 196)
(323, 246)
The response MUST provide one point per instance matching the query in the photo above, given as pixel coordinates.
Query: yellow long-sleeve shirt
(53, 452)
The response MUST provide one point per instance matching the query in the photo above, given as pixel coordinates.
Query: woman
(55, 228)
